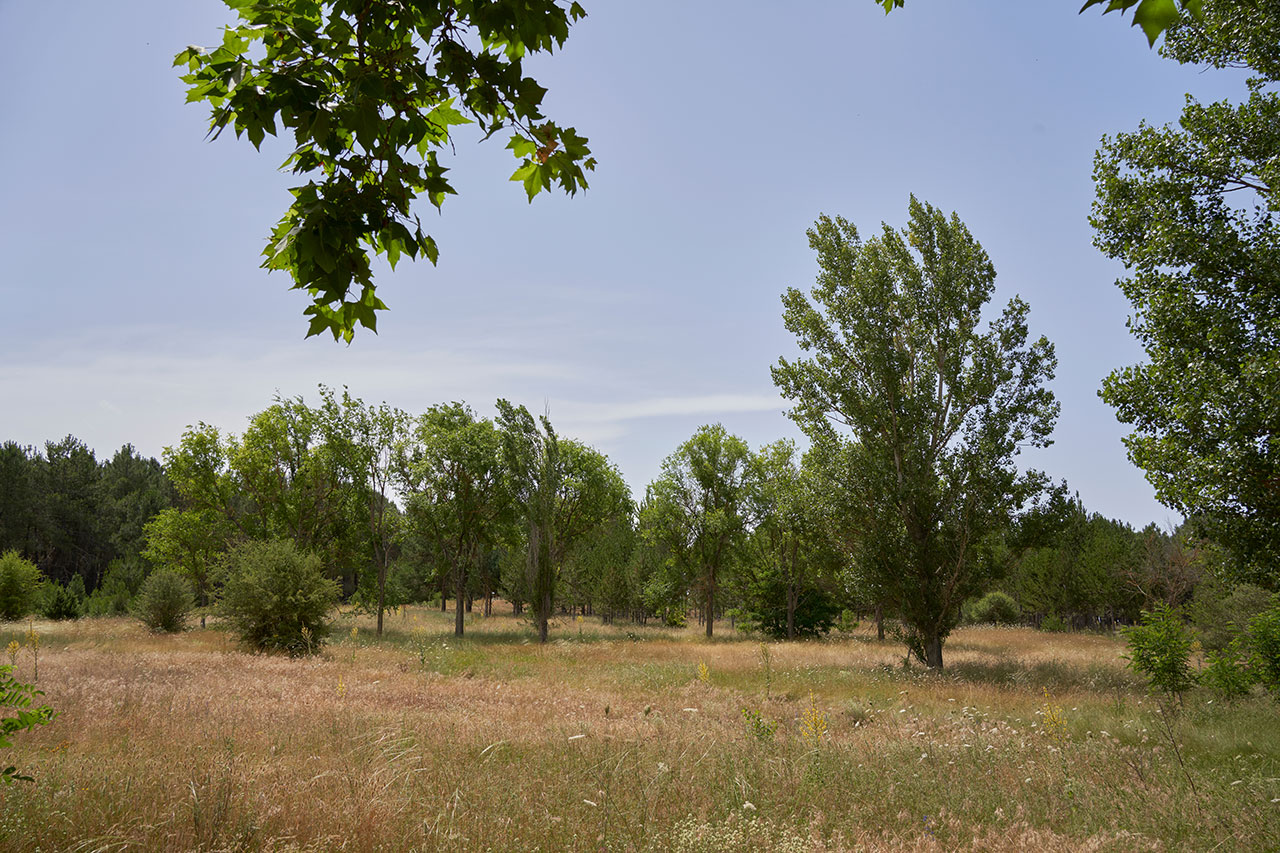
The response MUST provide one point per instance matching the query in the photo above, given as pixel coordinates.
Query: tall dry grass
(608, 740)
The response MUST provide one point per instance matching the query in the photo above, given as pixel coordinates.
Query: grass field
(623, 738)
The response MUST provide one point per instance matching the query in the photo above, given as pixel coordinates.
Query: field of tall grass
(623, 738)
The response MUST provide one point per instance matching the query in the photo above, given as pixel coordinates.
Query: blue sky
(637, 311)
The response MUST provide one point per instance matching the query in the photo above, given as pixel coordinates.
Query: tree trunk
(460, 603)
(879, 621)
(710, 611)
(792, 600)
(382, 594)
(933, 652)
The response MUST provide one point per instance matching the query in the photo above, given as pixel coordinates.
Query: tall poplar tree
(930, 410)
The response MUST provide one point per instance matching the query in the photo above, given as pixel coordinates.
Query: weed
(762, 729)
(813, 723)
(704, 674)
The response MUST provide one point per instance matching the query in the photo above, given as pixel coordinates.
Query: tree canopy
(371, 92)
(1193, 212)
(925, 412)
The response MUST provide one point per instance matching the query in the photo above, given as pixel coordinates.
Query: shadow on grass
(1054, 675)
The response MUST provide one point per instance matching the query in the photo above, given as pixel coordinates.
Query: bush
(19, 586)
(164, 602)
(1160, 649)
(1228, 673)
(1054, 624)
(114, 595)
(277, 598)
(996, 608)
(1220, 613)
(62, 603)
(1263, 640)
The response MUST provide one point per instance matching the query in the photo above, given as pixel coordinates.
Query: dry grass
(607, 739)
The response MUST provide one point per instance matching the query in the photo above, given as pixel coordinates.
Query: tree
(564, 490)
(456, 491)
(188, 542)
(934, 411)
(791, 555)
(370, 91)
(1154, 16)
(695, 511)
(366, 441)
(1194, 214)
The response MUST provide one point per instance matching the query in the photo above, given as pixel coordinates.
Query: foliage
(695, 513)
(564, 491)
(61, 602)
(189, 542)
(164, 602)
(276, 597)
(1193, 213)
(1227, 672)
(1160, 649)
(19, 584)
(760, 728)
(1054, 624)
(935, 410)
(1264, 648)
(367, 441)
(788, 572)
(114, 595)
(996, 608)
(371, 92)
(457, 495)
(1220, 614)
(19, 696)
(813, 723)
(73, 515)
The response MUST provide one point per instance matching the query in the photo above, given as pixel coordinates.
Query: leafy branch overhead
(371, 91)
(1154, 16)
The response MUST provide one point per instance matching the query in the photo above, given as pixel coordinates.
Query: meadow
(623, 738)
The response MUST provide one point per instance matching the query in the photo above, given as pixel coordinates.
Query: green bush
(277, 597)
(1055, 624)
(19, 586)
(1263, 641)
(164, 602)
(1160, 649)
(996, 608)
(1228, 673)
(62, 603)
(1220, 613)
(114, 595)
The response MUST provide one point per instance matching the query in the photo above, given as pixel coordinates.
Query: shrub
(1228, 673)
(276, 597)
(19, 586)
(114, 595)
(164, 602)
(1160, 649)
(1220, 613)
(62, 603)
(996, 608)
(1054, 623)
(1263, 640)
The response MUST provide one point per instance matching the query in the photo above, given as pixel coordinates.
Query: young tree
(1194, 214)
(188, 542)
(455, 488)
(935, 411)
(370, 92)
(695, 511)
(790, 554)
(366, 441)
(563, 490)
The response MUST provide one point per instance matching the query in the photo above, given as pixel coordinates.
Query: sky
(134, 304)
